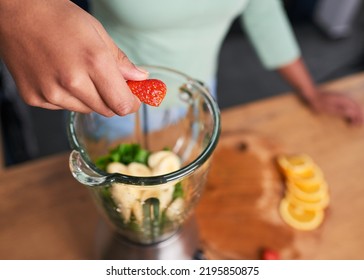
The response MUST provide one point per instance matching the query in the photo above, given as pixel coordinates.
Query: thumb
(128, 69)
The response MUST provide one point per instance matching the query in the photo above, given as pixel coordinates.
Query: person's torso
(184, 35)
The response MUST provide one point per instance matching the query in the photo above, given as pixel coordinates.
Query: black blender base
(183, 245)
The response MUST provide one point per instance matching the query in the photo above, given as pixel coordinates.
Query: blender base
(183, 245)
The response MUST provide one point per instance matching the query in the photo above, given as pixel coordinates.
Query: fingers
(349, 110)
(352, 114)
(85, 91)
(111, 84)
(101, 89)
(49, 106)
(342, 106)
(57, 99)
(104, 91)
(128, 70)
(112, 88)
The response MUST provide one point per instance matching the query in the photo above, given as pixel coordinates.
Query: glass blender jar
(152, 215)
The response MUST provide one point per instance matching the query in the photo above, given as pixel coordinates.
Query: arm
(62, 58)
(271, 34)
(296, 74)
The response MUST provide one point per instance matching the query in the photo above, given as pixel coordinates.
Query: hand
(337, 104)
(62, 58)
(320, 101)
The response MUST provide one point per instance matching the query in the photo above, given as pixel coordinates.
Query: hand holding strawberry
(150, 91)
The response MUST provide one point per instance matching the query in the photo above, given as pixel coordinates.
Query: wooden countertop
(46, 214)
(238, 213)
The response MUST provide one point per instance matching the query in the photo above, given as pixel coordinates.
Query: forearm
(297, 75)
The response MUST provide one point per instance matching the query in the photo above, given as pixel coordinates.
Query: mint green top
(186, 35)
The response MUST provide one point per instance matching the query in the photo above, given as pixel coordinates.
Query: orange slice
(315, 193)
(296, 165)
(311, 179)
(299, 218)
(320, 204)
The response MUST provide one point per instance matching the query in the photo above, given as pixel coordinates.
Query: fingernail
(142, 70)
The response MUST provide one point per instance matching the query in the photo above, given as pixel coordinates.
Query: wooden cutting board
(238, 212)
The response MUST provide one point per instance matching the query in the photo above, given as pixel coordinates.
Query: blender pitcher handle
(82, 172)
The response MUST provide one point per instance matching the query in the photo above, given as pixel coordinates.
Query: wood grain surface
(46, 214)
(238, 213)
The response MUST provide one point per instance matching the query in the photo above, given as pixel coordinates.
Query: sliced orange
(307, 192)
(296, 165)
(320, 204)
(315, 193)
(299, 218)
(310, 179)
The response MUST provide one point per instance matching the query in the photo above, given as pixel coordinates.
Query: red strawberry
(151, 91)
(268, 254)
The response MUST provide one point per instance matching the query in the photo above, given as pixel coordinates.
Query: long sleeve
(269, 31)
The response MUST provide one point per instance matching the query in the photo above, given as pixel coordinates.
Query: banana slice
(138, 212)
(163, 193)
(166, 196)
(125, 197)
(116, 167)
(130, 199)
(167, 165)
(155, 158)
(139, 170)
(175, 209)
